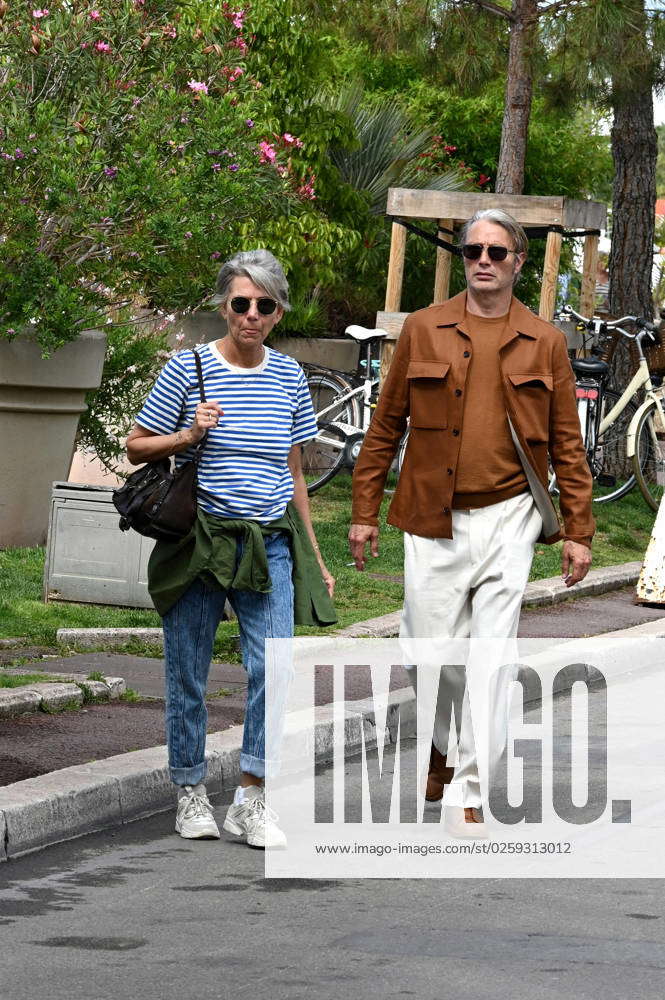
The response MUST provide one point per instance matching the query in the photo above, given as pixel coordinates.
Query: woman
(253, 540)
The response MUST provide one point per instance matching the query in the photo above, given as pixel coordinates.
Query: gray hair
(261, 267)
(502, 219)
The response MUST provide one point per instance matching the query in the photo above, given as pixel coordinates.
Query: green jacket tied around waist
(208, 552)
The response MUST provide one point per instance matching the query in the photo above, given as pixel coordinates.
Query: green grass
(624, 528)
(19, 680)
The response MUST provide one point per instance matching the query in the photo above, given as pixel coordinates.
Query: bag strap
(199, 374)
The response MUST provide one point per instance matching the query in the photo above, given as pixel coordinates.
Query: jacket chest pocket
(531, 393)
(428, 405)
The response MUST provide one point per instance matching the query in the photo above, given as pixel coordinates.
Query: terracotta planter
(41, 401)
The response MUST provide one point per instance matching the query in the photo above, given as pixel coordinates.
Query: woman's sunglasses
(473, 251)
(240, 304)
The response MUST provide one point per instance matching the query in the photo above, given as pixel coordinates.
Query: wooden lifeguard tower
(560, 216)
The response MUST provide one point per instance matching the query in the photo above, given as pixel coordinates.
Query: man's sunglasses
(473, 251)
(240, 304)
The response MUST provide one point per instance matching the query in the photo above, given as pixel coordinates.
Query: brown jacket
(426, 383)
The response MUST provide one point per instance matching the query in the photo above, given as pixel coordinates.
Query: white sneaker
(253, 818)
(455, 824)
(194, 819)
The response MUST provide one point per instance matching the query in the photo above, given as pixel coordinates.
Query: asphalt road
(140, 913)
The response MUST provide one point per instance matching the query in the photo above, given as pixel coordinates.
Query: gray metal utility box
(88, 558)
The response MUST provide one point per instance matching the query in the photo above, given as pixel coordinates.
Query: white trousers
(471, 586)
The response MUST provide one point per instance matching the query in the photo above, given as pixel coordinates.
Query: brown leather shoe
(473, 815)
(438, 777)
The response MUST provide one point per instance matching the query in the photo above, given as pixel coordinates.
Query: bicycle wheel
(648, 460)
(609, 459)
(328, 391)
(401, 451)
(324, 456)
(396, 466)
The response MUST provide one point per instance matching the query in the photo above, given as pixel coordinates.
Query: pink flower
(249, 123)
(102, 46)
(111, 172)
(234, 166)
(291, 140)
(94, 15)
(187, 236)
(215, 255)
(268, 152)
(198, 88)
(306, 190)
(40, 13)
(217, 167)
(232, 74)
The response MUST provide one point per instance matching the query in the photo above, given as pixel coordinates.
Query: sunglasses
(240, 304)
(474, 251)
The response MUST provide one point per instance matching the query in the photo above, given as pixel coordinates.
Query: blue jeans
(189, 633)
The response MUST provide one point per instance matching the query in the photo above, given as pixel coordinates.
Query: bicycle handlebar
(596, 325)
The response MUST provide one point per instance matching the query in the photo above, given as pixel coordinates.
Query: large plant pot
(41, 401)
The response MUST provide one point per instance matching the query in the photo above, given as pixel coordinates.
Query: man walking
(490, 394)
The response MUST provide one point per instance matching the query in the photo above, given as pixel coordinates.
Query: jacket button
(456, 433)
(458, 392)
(446, 510)
(467, 354)
(450, 472)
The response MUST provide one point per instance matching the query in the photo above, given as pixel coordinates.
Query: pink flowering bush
(138, 149)
(133, 156)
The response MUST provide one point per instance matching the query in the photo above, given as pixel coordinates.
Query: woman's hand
(328, 579)
(205, 418)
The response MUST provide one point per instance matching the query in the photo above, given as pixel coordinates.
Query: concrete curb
(62, 805)
(542, 592)
(39, 812)
(51, 696)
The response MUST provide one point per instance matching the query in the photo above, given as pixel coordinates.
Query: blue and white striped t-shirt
(243, 470)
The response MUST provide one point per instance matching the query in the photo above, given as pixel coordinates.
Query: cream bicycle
(624, 442)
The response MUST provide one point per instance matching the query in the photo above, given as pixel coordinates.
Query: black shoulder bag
(157, 501)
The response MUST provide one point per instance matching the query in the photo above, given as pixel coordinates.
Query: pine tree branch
(554, 8)
(487, 5)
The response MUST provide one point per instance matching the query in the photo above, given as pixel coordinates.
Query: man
(490, 394)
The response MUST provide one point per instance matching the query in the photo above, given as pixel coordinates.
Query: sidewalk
(81, 799)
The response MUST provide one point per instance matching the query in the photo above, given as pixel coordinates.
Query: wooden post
(443, 264)
(395, 268)
(550, 274)
(589, 268)
(393, 289)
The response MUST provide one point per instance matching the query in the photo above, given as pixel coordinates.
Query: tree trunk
(519, 92)
(635, 151)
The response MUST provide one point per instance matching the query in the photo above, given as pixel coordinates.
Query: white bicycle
(343, 404)
(624, 442)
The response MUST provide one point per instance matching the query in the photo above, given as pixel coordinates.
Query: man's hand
(575, 562)
(359, 535)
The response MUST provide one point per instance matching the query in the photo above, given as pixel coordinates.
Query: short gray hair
(261, 267)
(502, 219)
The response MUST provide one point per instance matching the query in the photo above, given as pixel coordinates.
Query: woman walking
(253, 539)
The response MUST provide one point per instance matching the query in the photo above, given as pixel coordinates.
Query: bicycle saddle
(589, 366)
(362, 333)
